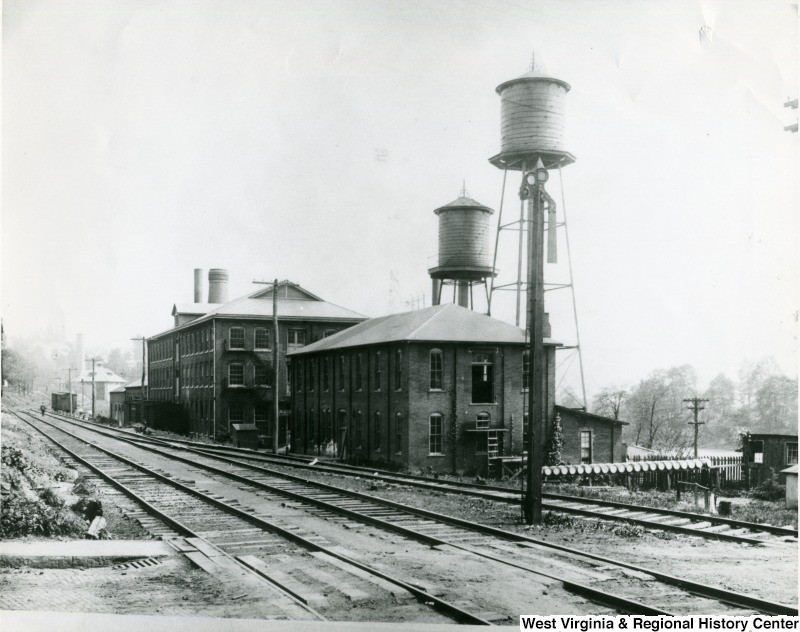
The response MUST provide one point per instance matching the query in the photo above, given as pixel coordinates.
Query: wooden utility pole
(69, 387)
(93, 392)
(275, 380)
(275, 357)
(533, 190)
(144, 394)
(695, 405)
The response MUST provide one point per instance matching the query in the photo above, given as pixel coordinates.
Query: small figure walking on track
(43, 408)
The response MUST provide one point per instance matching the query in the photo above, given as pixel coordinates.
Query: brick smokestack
(199, 285)
(217, 285)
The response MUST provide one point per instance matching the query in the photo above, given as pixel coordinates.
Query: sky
(312, 141)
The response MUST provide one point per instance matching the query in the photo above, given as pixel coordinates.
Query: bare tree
(610, 401)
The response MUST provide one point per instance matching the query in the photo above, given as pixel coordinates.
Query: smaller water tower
(465, 256)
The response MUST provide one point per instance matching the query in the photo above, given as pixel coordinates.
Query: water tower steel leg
(490, 291)
(572, 287)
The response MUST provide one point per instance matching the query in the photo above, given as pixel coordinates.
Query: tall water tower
(532, 142)
(465, 256)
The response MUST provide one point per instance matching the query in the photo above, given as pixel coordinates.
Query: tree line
(760, 400)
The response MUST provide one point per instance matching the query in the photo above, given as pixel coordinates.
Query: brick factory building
(216, 362)
(435, 389)
(440, 388)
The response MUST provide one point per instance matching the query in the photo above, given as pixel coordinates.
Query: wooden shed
(764, 452)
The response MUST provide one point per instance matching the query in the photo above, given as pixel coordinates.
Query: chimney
(217, 285)
(199, 285)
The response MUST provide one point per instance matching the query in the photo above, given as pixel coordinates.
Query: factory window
(262, 376)
(482, 378)
(328, 332)
(236, 375)
(377, 371)
(436, 434)
(791, 454)
(312, 374)
(377, 432)
(326, 373)
(482, 422)
(398, 369)
(358, 378)
(526, 370)
(586, 446)
(398, 433)
(327, 427)
(340, 373)
(288, 373)
(436, 367)
(298, 367)
(262, 338)
(236, 338)
(236, 412)
(297, 337)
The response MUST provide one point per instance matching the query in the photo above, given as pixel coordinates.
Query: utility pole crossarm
(696, 405)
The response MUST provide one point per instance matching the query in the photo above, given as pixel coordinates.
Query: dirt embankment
(43, 496)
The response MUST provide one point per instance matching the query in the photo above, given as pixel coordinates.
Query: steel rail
(598, 596)
(719, 594)
(449, 609)
(154, 511)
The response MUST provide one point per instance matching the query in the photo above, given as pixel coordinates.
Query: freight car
(60, 401)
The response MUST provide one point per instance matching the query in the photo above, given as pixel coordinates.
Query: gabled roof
(592, 416)
(440, 323)
(294, 303)
(101, 374)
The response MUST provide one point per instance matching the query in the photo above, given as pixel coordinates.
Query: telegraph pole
(275, 381)
(93, 395)
(144, 395)
(69, 388)
(276, 372)
(695, 405)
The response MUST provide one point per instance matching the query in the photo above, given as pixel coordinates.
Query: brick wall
(606, 438)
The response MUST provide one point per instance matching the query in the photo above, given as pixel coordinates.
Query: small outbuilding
(765, 452)
(791, 486)
(245, 436)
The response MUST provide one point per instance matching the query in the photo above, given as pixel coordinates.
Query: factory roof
(440, 323)
(194, 309)
(101, 374)
(463, 202)
(294, 303)
(591, 416)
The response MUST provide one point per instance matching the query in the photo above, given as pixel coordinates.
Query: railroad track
(217, 526)
(682, 522)
(529, 554)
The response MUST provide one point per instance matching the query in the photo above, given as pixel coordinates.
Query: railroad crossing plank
(201, 561)
(399, 593)
(204, 547)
